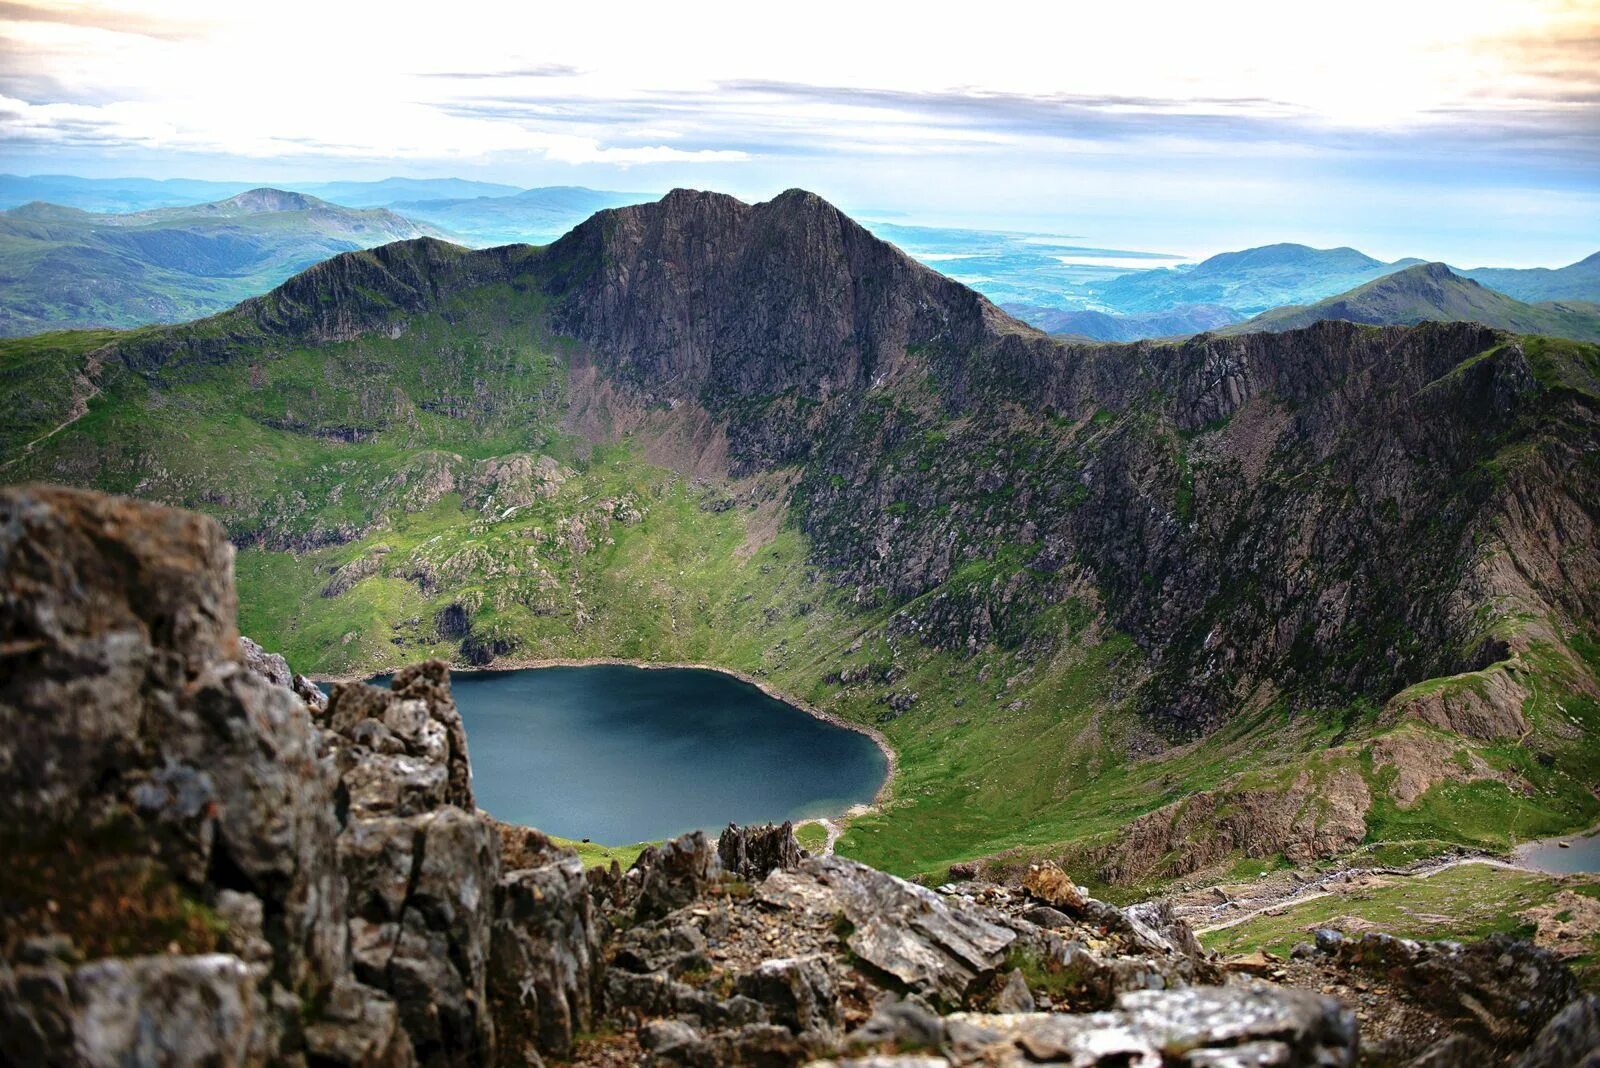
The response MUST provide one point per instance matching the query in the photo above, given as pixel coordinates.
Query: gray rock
(755, 852)
(546, 963)
(669, 876)
(1190, 1028)
(798, 993)
(167, 1010)
(1015, 995)
(1572, 1037)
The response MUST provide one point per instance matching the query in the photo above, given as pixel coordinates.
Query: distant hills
(1433, 292)
(1103, 326)
(531, 216)
(65, 267)
(133, 269)
(1248, 282)
(1576, 281)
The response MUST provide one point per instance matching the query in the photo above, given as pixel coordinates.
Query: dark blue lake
(623, 754)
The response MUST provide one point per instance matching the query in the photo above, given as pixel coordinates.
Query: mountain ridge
(973, 535)
(1433, 291)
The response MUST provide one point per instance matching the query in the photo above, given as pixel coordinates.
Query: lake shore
(885, 791)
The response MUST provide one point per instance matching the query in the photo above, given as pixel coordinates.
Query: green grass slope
(62, 267)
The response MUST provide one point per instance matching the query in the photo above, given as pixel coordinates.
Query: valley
(1128, 608)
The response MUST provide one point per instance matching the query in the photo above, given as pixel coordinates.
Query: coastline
(885, 791)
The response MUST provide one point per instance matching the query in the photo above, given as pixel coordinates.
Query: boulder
(755, 852)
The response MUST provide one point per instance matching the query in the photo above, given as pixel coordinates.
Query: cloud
(541, 70)
(101, 17)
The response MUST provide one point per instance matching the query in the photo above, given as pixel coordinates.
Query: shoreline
(884, 794)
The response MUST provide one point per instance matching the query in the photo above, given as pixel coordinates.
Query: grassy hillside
(62, 267)
(1433, 293)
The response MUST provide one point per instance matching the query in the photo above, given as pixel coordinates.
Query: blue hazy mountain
(534, 216)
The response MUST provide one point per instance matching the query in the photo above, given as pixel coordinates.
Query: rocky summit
(208, 862)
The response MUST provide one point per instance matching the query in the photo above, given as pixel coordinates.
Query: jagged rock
(168, 1010)
(546, 966)
(1190, 1028)
(754, 852)
(1500, 990)
(1572, 1037)
(359, 1027)
(1015, 995)
(899, 927)
(901, 1023)
(357, 885)
(798, 993)
(670, 875)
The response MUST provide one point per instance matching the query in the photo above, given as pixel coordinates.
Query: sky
(1464, 130)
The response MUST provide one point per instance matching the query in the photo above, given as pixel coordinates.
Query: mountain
(1576, 281)
(62, 267)
(111, 194)
(1146, 610)
(1432, 292)
(1248, 282)
(534, 216)
(1103, 326)
(388, 192)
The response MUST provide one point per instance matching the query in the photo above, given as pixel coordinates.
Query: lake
(621, 754)
(1581, 854)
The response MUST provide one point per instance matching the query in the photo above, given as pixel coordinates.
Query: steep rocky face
(1245, 507)
(700, 296)
(204, 867)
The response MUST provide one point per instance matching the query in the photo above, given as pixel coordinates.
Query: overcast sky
(1460, 130)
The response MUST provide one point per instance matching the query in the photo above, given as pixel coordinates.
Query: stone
(797, 991)
(1572, 1037)
(1014, 996)
(1052, 886)
(755, 852)
(1198, 1026)
(669, 876)
(546, 961)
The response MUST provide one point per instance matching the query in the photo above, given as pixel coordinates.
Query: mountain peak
(268, 199)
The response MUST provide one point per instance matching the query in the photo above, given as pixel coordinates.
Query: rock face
(252, 878)
(202, 867)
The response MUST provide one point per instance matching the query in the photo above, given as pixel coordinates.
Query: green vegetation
(69, 268)
(1464, 902)
(813, 837)
(599, 856)
(418, 493)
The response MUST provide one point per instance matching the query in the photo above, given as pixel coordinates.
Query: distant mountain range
(531, 216)
(65, 267)
(1231, 287)
(135, 269)
(1103, 326)
(1433, 292)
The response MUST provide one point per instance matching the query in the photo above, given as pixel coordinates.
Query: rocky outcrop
(755, 852)
(252, 877)
(1304, 820)
(1486, 705)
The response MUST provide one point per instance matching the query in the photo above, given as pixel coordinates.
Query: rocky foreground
(205, 862)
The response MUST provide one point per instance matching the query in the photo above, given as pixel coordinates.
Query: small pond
(622, 754)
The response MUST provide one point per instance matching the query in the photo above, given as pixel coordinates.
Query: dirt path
(1327, 886)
